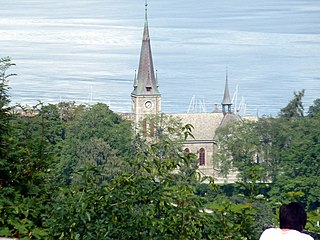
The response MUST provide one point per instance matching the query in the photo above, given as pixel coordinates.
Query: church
(146, 100)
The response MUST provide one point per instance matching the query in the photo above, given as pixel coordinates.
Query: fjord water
(87, 51)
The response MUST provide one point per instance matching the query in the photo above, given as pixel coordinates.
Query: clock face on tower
(148, 104)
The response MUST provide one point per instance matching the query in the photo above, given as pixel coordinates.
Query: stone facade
(204, 143)
(145, 105)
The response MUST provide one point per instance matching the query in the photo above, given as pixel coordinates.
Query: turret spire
(226, 97)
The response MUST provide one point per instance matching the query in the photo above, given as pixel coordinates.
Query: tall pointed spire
(226, 97)
(146, 82)
(146, 28)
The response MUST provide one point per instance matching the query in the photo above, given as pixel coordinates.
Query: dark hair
(292, 216)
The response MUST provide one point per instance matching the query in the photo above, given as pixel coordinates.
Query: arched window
(202, 157)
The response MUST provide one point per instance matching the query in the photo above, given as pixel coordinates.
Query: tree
(315, 108)
(5, 64)
(116, 190)
(294, 109)
(94, 137)
(299, 163)
(22, 175)
(249, 144)
(147, 203)
(5, 116)
(286, 150)
(165, 131)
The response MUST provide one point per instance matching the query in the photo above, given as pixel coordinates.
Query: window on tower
(148, 89)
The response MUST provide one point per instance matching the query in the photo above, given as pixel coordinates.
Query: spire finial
(227, 72)
(146, 7)
(146, 30)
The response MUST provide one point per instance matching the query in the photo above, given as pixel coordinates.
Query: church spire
(146, 82)
(146, 28)
(226, 102)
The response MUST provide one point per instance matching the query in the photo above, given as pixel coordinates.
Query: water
(87, 51)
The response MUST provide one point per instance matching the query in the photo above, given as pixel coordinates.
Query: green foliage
(20, 215)
(300, 163)
(233, 221)
(145, 204)
(94, 137)
(25, 179)
(165, 132)
(264, 216)
(252, 176)
(314, 109)
(246, 144)
(295, 108)
(80, 172)
(29, 155)
(313, 222)
(283, 152)
(5, 64)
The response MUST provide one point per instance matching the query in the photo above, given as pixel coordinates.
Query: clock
(148, 104)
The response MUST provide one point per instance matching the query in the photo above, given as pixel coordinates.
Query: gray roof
(229, 118)
(205, 124)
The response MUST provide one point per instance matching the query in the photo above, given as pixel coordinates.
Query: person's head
(292, 216)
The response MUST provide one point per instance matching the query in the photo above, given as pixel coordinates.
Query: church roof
(145, 83)
(205, 124)
(229, 118)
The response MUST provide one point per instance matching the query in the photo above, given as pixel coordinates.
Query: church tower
(226, 102)
(145, 97)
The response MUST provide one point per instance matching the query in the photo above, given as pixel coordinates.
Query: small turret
(226, 102)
